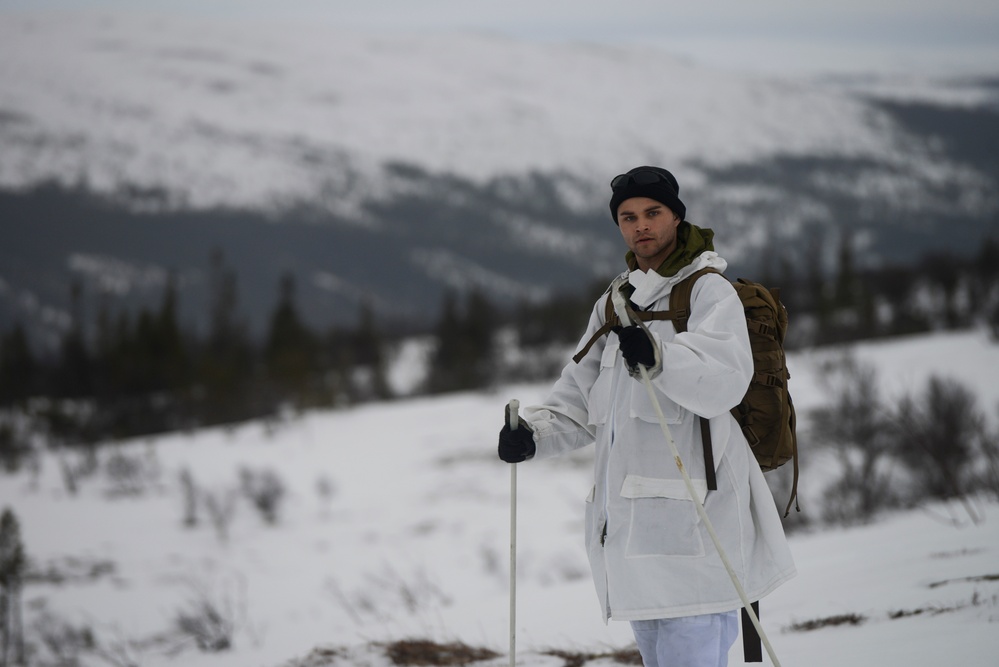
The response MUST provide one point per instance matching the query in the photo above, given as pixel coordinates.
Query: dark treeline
(127, 373)
(939, 291)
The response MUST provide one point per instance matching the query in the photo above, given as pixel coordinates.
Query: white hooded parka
(649, 554)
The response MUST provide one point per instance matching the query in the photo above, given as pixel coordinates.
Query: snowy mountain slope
(395, 526)
(260, 115)
(465, 161)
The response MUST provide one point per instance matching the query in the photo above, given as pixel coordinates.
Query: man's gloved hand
(636, 346)
(516, 446)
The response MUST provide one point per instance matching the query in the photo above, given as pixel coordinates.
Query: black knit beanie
(652, 182)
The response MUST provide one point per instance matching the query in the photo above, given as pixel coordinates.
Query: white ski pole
(513, 418)
(621, 308)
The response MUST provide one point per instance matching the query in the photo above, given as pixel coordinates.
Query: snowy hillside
(251, 115)
(132, 146)
(395, 526)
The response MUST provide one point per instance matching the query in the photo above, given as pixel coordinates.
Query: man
(653, 562)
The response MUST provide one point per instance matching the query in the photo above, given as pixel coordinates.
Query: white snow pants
(689, 641)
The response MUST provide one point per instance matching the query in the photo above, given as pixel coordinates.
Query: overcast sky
(764, 35)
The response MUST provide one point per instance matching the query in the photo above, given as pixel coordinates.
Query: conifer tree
(290, 350)
(18, 367)
(465, 354)
(791, 288)
(443, 374)
(226, 364)
(74, 373)
(106, 374)
(171, 344)
(854, 305)
(337, 362)
(816, 289)
(369, 352)
(985, 285)
(153, 354)
(846, 289)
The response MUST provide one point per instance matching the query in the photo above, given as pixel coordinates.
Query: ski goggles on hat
(641, 177)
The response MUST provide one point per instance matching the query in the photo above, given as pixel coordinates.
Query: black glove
(636, 346)
(516, 446)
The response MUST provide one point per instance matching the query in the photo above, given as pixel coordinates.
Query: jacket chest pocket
(602, 397)
(642, 408)
(598, 402)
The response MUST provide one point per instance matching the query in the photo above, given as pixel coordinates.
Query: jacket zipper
(612, 428)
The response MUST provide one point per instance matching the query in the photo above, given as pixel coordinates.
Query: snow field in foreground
(395, 525)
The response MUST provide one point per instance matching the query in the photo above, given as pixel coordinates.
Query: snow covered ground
(396, 525)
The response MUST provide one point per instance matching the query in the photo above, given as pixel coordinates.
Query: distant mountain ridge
(387, 171)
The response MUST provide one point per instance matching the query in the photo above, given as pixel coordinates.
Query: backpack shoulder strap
(678, 313)
(610, 321)
(679, 306)
(679, 298)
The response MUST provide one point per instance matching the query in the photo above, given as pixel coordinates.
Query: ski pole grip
(512, 414)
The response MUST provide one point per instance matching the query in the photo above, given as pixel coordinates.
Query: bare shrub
(413, 596)
(326, 490)
(491, 561)
(119, 652)
(933, 445)
(127, 474)
(74, 469)
(69, 570)
(210, 618)
(15, 443)
(859, 428)
(349, 605)
(943, 441)
(937, 609)
(426, 652)
(56, 642)
(207, 626)
(265, 490)
(190, 493)
(321, 656)
(383, 595)
(990, 472)
(59, 642)
(220, 505)
(625, 656)
(70, 478)
(827, 622)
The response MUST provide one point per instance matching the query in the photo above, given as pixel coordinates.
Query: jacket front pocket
(664, 520)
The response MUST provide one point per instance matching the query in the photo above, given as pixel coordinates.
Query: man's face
(649, 230)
